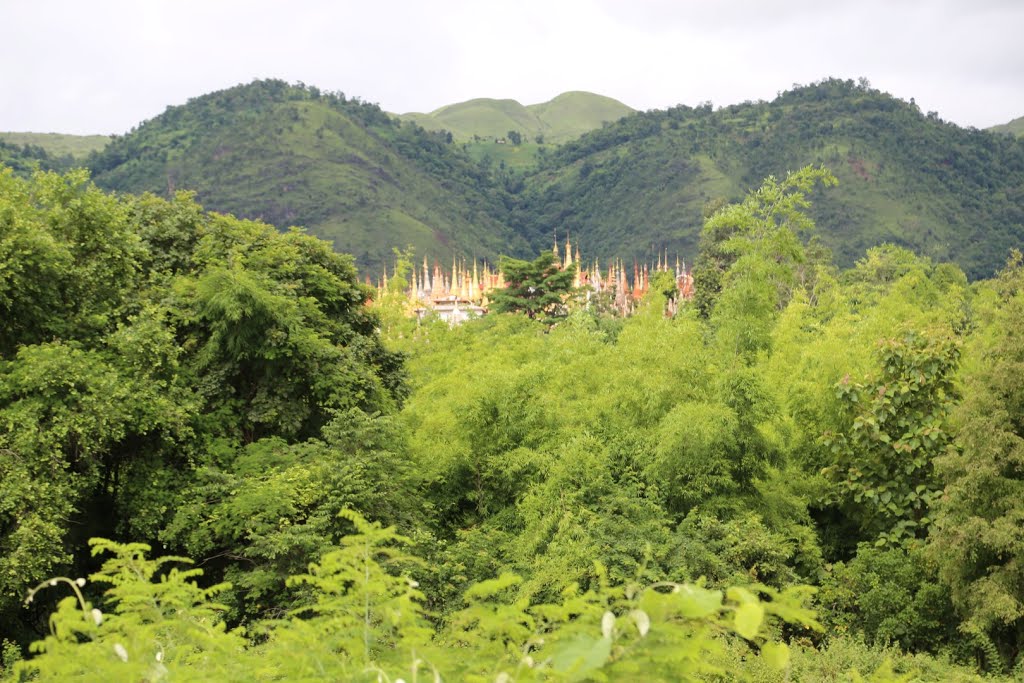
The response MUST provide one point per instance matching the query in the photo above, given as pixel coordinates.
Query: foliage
(142, 343)
(647, 497)
(756, 247)
(538, 289)
(151, 629)
(890, 595)
(368, 624)
(894, 429)
(977, 539)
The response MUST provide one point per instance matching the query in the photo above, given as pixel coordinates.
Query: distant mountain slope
(565, 117)
(1015, 127)
(58, 144)
(641, 185)
(25, 159)
(632, 188)
(292, 155)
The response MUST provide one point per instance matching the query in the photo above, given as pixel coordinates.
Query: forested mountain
(342, 168)
(561, 119)
(368, 183)
(904, 177)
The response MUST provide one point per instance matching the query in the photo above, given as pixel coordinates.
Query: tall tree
(978, 536)
(539, 288)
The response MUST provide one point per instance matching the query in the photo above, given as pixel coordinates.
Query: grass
(520, 158)
(59, 144)
(563, 118)
(1015, 127)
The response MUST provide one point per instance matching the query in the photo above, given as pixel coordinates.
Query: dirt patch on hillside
(859, 166)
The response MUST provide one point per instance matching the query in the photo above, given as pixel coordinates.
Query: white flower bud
(121, 653)
(97, 616)
(607, 624)
(53, 582)
(81, 582)
(643, 622)
(160, 656)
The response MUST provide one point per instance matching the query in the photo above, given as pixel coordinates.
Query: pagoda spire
(454, 286)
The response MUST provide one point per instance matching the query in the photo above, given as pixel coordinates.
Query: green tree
(538, 289)
(895, 425)
(978, 536)
(760, 239)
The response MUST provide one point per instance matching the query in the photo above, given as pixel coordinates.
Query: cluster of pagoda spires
(473, 285)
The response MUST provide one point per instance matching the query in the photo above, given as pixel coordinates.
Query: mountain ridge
(632, 188)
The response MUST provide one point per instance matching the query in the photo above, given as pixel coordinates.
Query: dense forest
(810, 473)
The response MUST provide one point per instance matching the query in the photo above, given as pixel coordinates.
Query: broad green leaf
(581, 656)
(694, 602)
(749, 616)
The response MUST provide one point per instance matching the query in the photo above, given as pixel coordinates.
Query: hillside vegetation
(563, 118)
(643, 184)
(59, 144)
(291, 155)
(630, 189)
(25, 159)
(808, 474)
(1015, 127)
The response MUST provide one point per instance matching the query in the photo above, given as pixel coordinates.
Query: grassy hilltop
(1015, 127)
(564, 118)
(58, 144)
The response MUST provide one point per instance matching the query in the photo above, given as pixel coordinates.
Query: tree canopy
(815, 480)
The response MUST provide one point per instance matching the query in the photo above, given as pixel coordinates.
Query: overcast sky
(102, 66)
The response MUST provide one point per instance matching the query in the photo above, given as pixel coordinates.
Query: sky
(104, 66)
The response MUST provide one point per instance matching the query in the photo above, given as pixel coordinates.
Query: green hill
(642, 184)
(59, 144)
(292, 155)
(24, 159)
(1015, 127)
(632, 188)
(564, 118)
